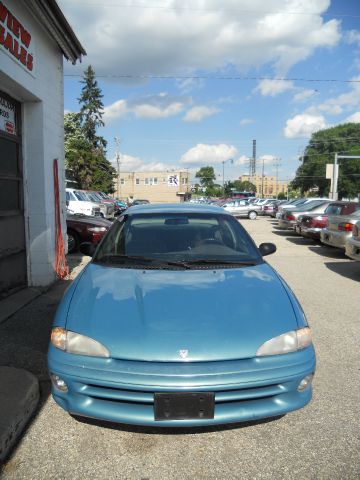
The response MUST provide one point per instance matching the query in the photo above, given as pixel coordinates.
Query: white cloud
(203, 154)
(242, 160)
(114, 111)
(246, 121)
(344, 102)
(157, 106)
(353, 36)
(304, 125)
(267, 159)
(303, 95)
(129, 163)
(207, 36)
(197, 114)
(271, 88)
(354, 118)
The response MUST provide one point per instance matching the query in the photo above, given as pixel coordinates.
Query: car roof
(175, 208)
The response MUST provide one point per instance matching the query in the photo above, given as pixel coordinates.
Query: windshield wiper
(221, 262)
(122, 258)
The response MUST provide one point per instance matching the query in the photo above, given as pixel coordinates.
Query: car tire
(73, 241)
(252, 215)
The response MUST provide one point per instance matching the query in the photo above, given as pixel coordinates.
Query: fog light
(58, 382)
(305, 383)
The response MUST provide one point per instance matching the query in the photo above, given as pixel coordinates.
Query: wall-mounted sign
(7, 116)
(173, 181)
(15, 39)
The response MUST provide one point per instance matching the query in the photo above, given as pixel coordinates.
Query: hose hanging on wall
(61, 267)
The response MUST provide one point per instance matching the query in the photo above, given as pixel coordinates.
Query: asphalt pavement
(321, 441)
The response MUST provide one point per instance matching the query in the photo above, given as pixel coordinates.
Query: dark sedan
(83, 228)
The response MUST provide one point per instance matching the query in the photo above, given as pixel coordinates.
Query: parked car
(295, 204)
(339, 229)
(82, 228)
(178, 321)
(352, 245)
(242, 208)
(106, 207)
(78, 202)
(312, 224)
(289, 218)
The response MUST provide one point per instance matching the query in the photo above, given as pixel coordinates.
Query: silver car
(296, 204)
(352, 245)
(289, 218)
(242, 208)
(339, 229)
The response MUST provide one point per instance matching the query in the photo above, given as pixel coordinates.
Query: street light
(117, 142)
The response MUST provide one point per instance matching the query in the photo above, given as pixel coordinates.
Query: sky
(235, 71)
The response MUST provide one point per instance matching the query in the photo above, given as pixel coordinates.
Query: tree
(281, 196)
(344, 139)
(245, 186)
(206, 176)
(92, 109)
(90, 168)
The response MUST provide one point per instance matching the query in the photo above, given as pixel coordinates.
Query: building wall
(41, 96)
(271, 187)
(157, 187)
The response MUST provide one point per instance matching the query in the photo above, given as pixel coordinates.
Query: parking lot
(320, 441)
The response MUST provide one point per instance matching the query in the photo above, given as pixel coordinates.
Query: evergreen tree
(92, 109)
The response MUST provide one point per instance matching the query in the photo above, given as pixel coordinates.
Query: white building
(34, 38)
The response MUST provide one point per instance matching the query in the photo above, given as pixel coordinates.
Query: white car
(352, 245)
(77, 202)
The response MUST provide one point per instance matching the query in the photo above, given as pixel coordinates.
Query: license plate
(184, 406)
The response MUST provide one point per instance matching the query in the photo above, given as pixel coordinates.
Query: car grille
(104, 393)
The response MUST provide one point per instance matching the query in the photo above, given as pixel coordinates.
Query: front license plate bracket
(184, 406)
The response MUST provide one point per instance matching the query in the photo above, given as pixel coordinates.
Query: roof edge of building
(50, 15)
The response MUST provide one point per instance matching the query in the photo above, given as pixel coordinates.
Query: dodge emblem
(183, 353)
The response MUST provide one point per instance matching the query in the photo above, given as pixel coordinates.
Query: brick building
(267, 186)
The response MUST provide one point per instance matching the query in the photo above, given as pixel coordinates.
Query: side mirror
(265, 248)
(87, 248)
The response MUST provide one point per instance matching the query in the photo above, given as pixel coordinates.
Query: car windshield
(81, 196)
(183, 238)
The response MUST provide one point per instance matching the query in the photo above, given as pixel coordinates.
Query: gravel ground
(318, 442)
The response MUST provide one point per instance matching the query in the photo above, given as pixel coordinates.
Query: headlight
(97, 229)
(72, 342)
(286, 343)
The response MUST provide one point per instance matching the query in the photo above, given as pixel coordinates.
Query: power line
(213, 77)
(219, 10)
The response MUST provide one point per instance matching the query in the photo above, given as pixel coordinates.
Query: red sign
(15, 38)
(9, 127)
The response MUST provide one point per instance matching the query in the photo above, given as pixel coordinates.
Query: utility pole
(277, 164)
(262, 178)
(118, 189)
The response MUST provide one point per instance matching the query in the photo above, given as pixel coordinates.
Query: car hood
(172, 315)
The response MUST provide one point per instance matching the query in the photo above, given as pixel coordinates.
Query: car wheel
(73, 241)
(252, 215)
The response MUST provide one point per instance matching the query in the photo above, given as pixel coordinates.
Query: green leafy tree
(92, 109)
(343, 139)
(90, 168)
(245, 186)
(206, 176)
(281, 196)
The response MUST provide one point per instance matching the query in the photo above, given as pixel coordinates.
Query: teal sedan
(178, 321)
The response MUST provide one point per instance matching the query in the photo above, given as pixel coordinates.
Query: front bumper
(123, 391)
(352, 249)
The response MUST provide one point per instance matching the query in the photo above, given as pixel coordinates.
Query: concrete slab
(19, 397)
(15, 302)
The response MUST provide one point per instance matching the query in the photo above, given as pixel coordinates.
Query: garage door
(12, 231)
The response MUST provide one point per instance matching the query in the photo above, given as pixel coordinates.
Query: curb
(19, 397)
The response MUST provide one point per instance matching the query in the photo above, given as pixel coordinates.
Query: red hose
(61, 267)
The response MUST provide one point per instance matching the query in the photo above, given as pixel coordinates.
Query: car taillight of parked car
(345, 227)
(290, 217)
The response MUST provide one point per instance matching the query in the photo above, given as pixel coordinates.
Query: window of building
(151, 181)
(137, 181)
(184, 181)
(122, 181)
